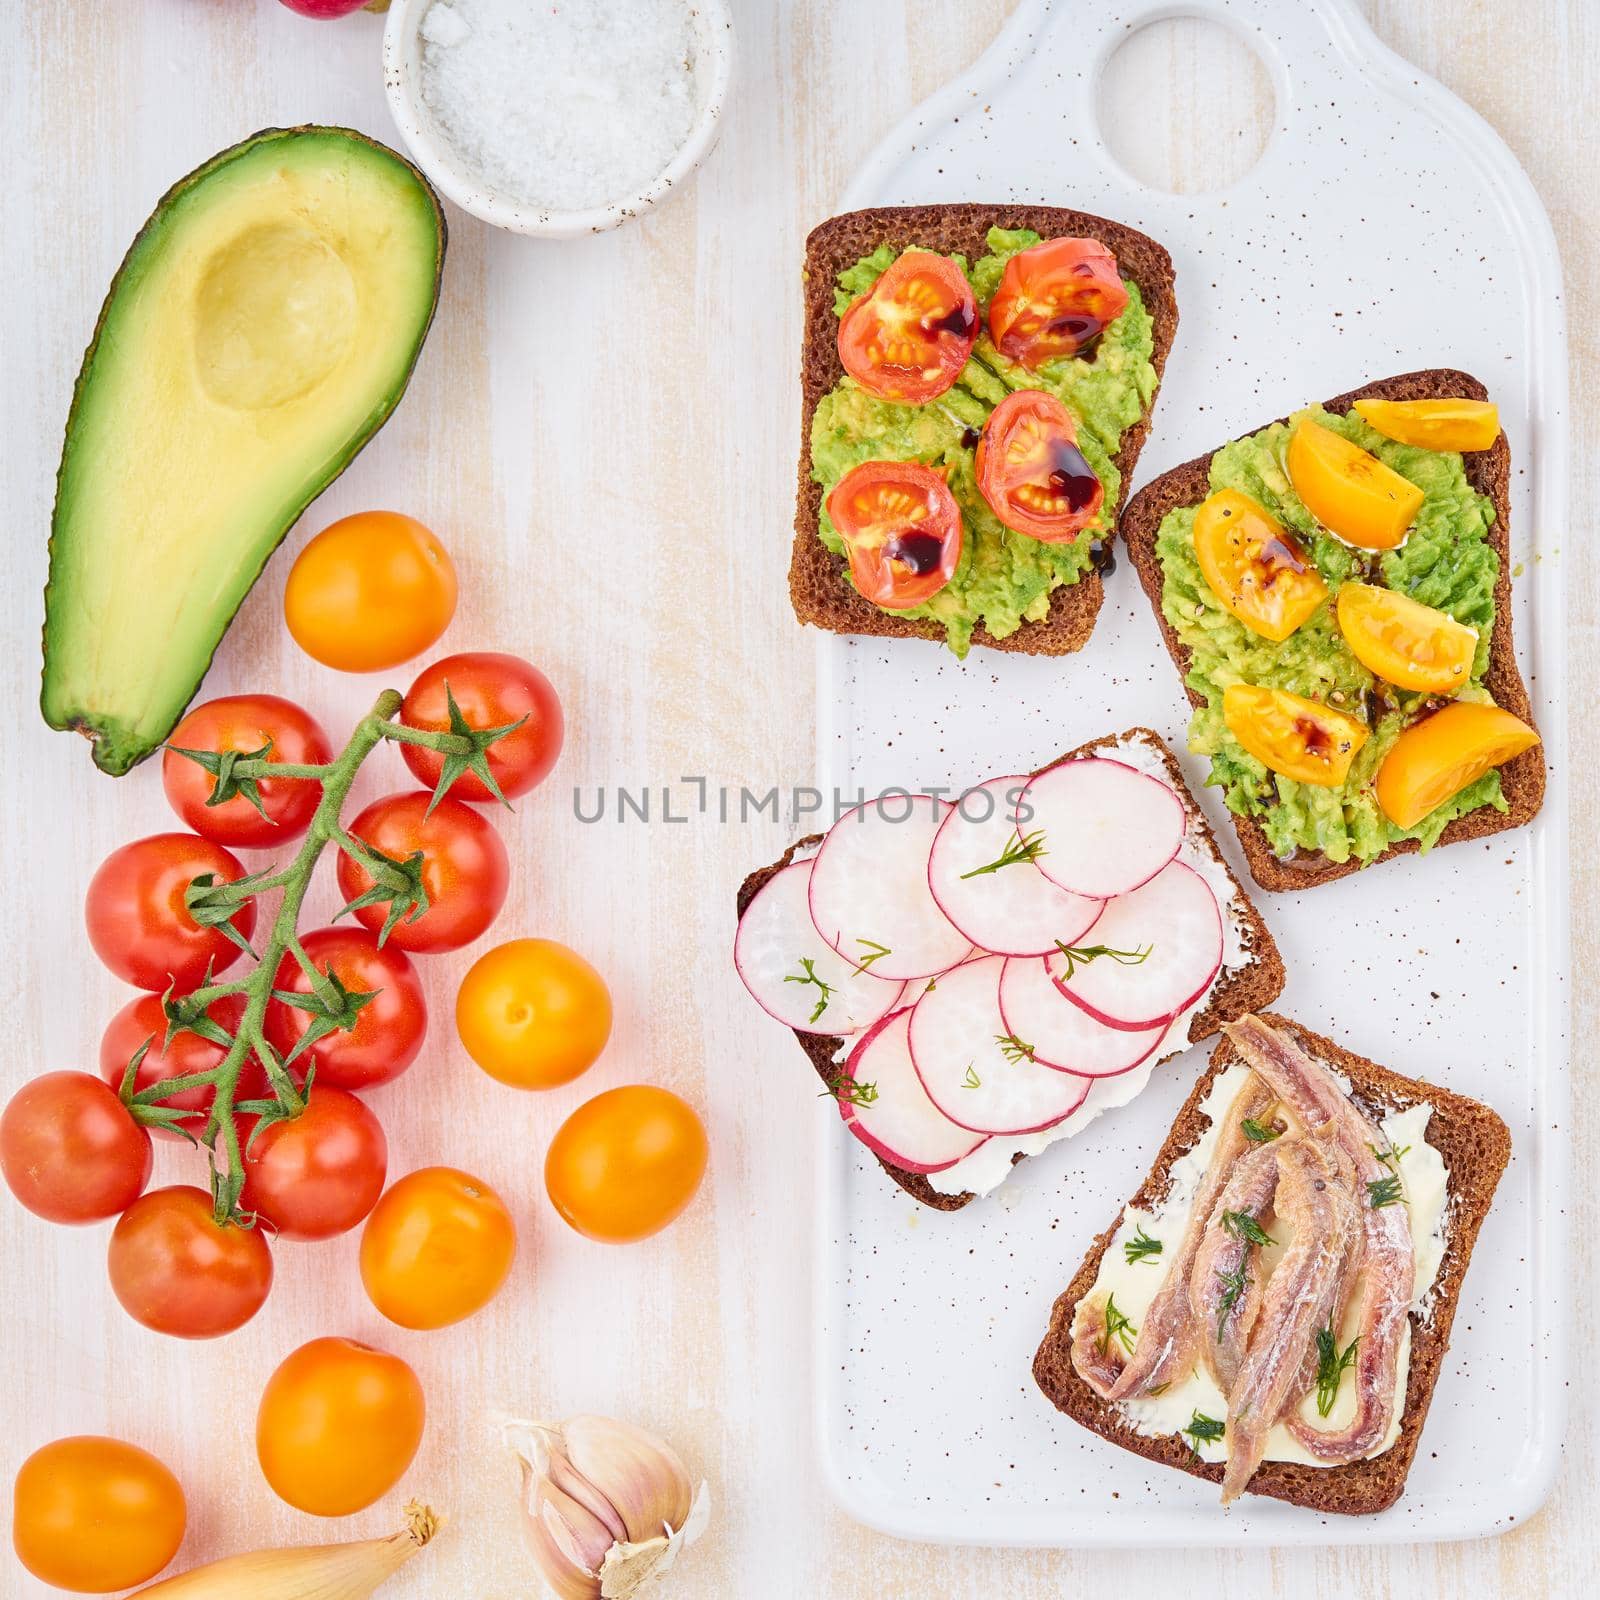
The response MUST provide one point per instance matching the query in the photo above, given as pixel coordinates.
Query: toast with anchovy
(819, 587)
(1475, 1146)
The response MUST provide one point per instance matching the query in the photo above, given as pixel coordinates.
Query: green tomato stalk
(397, 884)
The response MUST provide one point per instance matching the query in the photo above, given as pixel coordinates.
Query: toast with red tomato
(1335, 590)
(977, 383)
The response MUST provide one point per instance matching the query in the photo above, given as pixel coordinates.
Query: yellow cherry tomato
(436, 1248)
(369, 592)
(1298, 738)
(91, 1514)
(1405, 642)
(624, 1164)
(1435, 424)
(1439, 756)
(338, 1425)
(533, 1013)
(1255, 569)
(1349, 491)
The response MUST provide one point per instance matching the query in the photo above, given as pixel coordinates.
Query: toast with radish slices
(1470, 1141)
(1464, 516)
(943, 968)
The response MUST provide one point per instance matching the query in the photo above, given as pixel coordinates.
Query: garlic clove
(558, 1470)
(574, 1530)
(638, 1473)
(566, 1582)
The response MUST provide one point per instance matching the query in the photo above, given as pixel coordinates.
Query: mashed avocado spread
(1446, 562)
(1003, 578)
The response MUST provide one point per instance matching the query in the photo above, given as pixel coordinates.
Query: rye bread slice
(817, 586)
(1489, 472)
(1255, 984)
(1475, 1145)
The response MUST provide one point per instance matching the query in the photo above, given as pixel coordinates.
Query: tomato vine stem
(188, 1013)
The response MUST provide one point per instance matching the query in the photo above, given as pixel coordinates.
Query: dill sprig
(1256, 1132)
(875, 952)
(972, 1080)
(1243, 1226)
(1201, 1429)
(1116, 1327)
(1383, 1192)
(1027, 848)
(1141, 1247)
(1234, 1285)
(1082, 954)
(844, 1088)
(1331, 1365)
(808, 974)
(1013, 1048)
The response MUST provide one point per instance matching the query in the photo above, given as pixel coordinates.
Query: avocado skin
(114, 748)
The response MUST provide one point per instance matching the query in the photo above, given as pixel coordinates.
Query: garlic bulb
(607, 1505)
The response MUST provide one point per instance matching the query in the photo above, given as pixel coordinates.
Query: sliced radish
(792, 974)
(1106, 827)
(1012, 909)
(1176, 918)
(1064, 1035)
(899, 1122)
(973, 1071)
(870, 898)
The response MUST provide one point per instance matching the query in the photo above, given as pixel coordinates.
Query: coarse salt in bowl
(557, 117)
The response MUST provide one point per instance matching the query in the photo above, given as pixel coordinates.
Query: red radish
(974, 1071)
(1176, 920)
(792, 974)
(1105, 827)
(326, 9)
(1064, 1035)
(898, 1121)
(981, 873)
(870, 899)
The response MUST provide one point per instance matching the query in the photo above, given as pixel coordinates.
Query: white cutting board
(1385, 228)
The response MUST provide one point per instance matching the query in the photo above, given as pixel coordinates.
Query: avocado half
(260, 330)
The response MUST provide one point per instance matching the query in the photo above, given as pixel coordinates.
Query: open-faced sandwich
(977, 385)
(975, 980)
(1272, 1309)
(1336, 591)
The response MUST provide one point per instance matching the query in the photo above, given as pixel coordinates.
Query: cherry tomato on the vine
(465, 869)
(389, 1028)
(337, 1426)
(71, 1151)
(138, 922)
(533, 1013)
(436, 1248)
(143, 1020)
(176, 1270)
(490, 691)
(246, 722)
(92, 1514)
(625, 1163)
(369, 592)
(319, 1173)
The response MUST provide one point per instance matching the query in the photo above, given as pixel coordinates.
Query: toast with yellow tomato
(1335, 589)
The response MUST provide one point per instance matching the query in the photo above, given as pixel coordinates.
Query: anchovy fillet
(1224, 1304)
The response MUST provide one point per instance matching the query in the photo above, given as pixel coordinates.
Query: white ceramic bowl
(402, 75)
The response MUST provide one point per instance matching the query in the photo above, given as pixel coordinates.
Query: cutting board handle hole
(1185, 105)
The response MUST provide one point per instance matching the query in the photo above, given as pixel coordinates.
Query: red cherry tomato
(246, 722)
(389, 1028)
(901, 527)
(138, 922)
(1055, 299)
(909, 337)
(464, 869)
(174, 1269)
(490, 691)
(1032, 472)
(71, 1151)
(317, 1174)
(143, 1020)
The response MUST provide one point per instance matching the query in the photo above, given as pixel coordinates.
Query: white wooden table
(604, 433)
